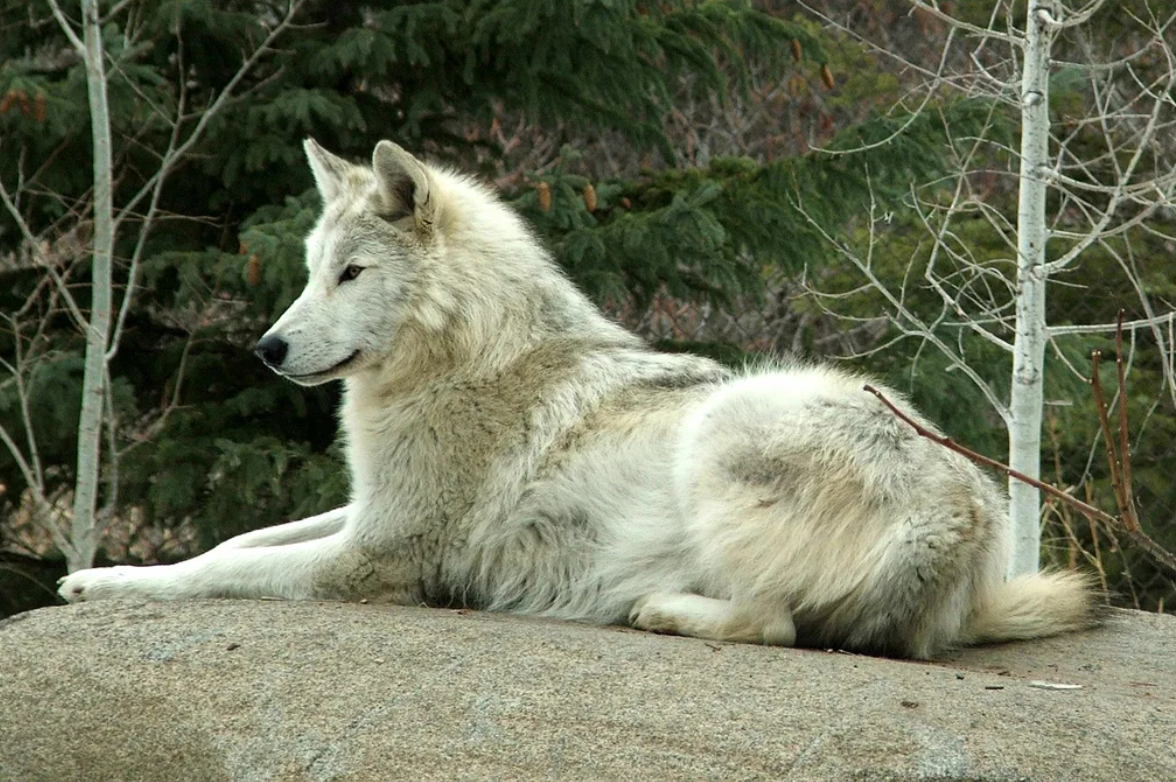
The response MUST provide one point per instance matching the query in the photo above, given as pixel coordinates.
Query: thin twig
(40, 256)
(1124, 444)
(225, 95)
(952, 445)
(1102, 571)
(67, 28)
(173, 404)
(1104, 427)
(1149, 322)
(110, 505)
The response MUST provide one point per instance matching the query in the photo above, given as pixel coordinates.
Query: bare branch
(35, 247)
(222, 99)
(149, 218)
(1077, 18)
(1122, 188)
(958, 24)
(22, 395)
(116, 9)
(908, 321)
(914, 115)
(67, 28)
(952, 445)
(1107, 328)
(1124, 445)
(1127, 511)
(35, 485)
(935, 282)
(901, 60)
(175, 152)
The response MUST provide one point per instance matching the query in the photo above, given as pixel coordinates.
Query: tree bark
(83, 533)
(1026, 396)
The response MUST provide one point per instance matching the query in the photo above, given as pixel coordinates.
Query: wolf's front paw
(97, 583)
(649, 614)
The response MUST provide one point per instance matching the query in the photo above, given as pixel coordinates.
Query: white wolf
(513, 450)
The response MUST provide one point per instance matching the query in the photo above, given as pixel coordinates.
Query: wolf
(513, 450)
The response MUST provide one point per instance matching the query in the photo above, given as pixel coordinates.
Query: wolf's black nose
(271, 350)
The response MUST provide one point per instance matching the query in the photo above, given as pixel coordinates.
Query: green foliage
(707, 233)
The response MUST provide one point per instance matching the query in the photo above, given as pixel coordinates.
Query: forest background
(712, 173)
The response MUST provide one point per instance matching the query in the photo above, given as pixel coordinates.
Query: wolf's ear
(406, 186)
(330, 171)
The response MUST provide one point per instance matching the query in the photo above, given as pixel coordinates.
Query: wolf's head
(415, 270)
(380, 231)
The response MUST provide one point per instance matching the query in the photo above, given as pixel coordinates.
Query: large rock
(235, 690)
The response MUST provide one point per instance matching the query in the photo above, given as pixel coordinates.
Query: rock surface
(253, 691)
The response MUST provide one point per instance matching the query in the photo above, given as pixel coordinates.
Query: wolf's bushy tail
(1035, 606)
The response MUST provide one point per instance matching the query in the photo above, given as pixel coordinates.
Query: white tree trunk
(1026, 396)
(83, 533)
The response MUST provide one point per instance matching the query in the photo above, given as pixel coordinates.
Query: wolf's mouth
(328, 371)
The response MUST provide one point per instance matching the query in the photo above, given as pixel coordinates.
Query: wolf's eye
(349, 273)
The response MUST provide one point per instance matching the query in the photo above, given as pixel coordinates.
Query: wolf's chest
(438, 454)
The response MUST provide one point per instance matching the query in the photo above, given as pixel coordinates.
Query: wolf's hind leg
(313, 528)
(707, 617)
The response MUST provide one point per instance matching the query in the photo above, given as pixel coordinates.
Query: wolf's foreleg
(312, 528)
(721, 620)
(326, 568)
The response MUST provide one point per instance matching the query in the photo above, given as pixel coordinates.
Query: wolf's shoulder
(632, 379)
(659, 369)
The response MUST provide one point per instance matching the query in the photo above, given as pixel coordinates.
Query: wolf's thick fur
(512, 449)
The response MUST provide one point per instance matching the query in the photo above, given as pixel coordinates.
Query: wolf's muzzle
(271, 350)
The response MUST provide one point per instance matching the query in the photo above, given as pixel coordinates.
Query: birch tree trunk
(1026, 396)
(83, 533)
(1108, 168)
